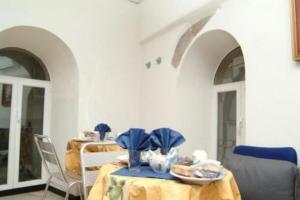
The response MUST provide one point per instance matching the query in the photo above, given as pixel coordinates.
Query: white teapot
(162, 163)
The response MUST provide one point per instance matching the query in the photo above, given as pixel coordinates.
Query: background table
(112, 187)
(72, 156)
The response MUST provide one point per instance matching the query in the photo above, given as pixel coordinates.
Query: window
(232, 68)
(21, 63)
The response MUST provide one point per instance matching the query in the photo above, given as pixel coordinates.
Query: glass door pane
(32, 120)
(5, 113)
(227, 118)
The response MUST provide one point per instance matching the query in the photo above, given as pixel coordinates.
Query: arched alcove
(17, 62)
(195, 88)
(62, 67)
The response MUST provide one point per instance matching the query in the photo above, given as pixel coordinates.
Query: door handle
(18, 117)
(241, 126)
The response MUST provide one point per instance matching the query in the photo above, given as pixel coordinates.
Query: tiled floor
(32, 196)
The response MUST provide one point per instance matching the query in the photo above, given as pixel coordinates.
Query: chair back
(282, 153)
(91, 161)
(49, 157)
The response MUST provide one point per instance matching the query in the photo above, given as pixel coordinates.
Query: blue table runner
(145, 172)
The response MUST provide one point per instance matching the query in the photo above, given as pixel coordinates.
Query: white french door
(24, 111)
(229, 118)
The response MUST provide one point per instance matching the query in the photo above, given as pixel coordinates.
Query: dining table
(72, 155)
(115, 187)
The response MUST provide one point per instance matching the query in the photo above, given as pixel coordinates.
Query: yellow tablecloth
(112, 187)
(72, 156)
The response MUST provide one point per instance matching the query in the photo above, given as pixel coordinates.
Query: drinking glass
(134, 161)
(103, 136)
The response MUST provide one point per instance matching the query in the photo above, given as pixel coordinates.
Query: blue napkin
(165, 139)
(102, 128)
(145, 171)
(134, 139)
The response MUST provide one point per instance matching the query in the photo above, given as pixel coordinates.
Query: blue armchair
(265, 173)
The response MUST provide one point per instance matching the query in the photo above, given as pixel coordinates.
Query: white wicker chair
(95, 159)
(53, 166)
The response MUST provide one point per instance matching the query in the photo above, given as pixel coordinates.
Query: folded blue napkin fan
(138, 139)
(134, 139)
(165, 139)
(102, 129)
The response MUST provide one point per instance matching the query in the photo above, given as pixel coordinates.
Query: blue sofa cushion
(263, 179)
(297, 186)
(285, 153)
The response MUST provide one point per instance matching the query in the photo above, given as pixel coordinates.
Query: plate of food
(88, 136)
(200, 174)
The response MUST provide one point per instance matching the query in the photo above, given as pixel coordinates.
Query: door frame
(15, 128)
(239, 87)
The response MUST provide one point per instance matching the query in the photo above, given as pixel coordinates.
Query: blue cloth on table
(165, 138)
(145, 172)
(283, 153)
(102, 128)
(134, 139)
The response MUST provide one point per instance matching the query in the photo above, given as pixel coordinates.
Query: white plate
(199, 181)
(82, 139)
(93, 140)
(123, 159)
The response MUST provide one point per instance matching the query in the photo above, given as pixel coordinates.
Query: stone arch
(186, 39)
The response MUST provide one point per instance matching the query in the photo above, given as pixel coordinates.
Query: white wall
(102, 38)
(195, 92)
(262, 28)
(156, 16)
(272, 77)
(61, 66)
(82, 40)
(183, 98)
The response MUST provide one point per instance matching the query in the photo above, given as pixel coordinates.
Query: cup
(199, 156)
(134, 163)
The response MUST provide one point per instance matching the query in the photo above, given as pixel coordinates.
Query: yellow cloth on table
(72, 156)
(112, 187)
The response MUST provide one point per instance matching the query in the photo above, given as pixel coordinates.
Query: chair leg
(47, 187)
(69, 188)
(80, 190)
(67, 193)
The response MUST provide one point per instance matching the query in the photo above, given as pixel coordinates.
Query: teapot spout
(173, 155)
